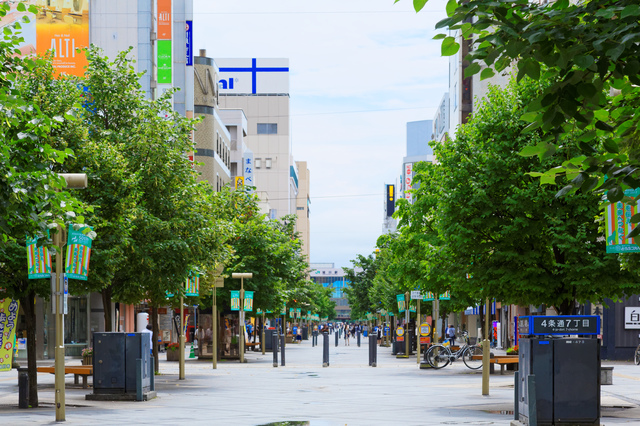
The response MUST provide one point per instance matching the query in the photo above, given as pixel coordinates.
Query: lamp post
(74, 181)
(242, 276)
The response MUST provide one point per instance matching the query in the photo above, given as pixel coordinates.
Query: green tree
(361, 279)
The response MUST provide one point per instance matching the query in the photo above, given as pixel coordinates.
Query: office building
(331, 277)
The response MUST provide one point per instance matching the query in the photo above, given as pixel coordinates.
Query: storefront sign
(8, 316)
(38, 260)
(248, 301)
(78, 254)
(235, 300)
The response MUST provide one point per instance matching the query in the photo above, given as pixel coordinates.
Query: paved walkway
(348, 392)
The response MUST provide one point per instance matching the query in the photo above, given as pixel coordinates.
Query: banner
(258, 311)
(291, 312)
(38, 260)
(78, 254)
(283, 311)
(401, 304)
(618, 220)
(8, 316)
(428, 297)
(248, 301)
(299, 312)
(192, 285)
(445, 296)
(235, 300)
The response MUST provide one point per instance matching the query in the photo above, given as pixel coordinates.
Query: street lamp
(74, 181)
(242, 276)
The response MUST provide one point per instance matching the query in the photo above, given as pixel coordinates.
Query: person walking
(451, 335)
(346, 335)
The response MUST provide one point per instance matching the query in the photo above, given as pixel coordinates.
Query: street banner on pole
(192, 285)
(445, 296)
(8, 316)
(618, 220)
(235, 300)
(38, 260)
(291, 312)
(248, 301)
(299, 312)
(78, 254)
(428, 297)
(284, 310)
(401, 304)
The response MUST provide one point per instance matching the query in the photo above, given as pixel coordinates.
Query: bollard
(282, 351)
(516, 396)
(533, 409)
(274, 348)
(373, 350)
(152, 373)
(336, 334)
(313, 339)
(325, 349)
(358, 338)
(23, 388)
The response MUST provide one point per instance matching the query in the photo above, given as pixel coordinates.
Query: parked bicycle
(636, 356)
(439, 356)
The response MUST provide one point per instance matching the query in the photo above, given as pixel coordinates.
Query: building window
(300, 208)
(267, 163)
(257, 163)
(267, 128)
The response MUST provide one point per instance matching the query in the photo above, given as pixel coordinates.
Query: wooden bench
(501, 360)
(252, 345)
(77, 370)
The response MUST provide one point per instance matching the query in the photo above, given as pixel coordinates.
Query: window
(267, 163)
(267, 128)
(257, 163)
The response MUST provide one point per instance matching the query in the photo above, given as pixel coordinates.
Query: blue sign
(542, 325)
(189, 43)
(254, 70)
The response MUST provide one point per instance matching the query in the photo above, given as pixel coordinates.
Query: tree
(361, 278)
(589, 50)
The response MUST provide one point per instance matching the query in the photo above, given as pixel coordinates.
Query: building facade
(331, 277)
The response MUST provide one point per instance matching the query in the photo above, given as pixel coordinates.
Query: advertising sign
(253, 75)
(239, 182)
(192, 285)
(408, 180)
(165, 62)
(78, 254)
(618, 220)
(189, 29)
(8, 316)
(248, 301)
(235, 300)
(401, 304)
(632, 317)
(429, 297)
(164, 19)
(445, 296)
(391, 200)
(248, 168)
(291, 312)
(38, 260)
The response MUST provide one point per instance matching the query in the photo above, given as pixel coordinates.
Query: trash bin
(566, 369)
(305, 333)
(268, 333)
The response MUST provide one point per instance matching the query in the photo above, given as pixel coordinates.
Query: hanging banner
(248, 301)
(192, 285)
(38, 260)
(8, 316)
(283, 311)
(428, 297)
(401, 304)
(618, 220)
(299, 312)
(445, 296)
(235, 300)
(291, 313)
(78, 254)
(258, 311)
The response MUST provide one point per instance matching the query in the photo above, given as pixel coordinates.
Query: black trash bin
(305, 333)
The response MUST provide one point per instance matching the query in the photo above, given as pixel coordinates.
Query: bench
(77, 370)
(501, 360)
(252, 345)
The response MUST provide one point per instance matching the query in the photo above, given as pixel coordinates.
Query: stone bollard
(325, 349)
(373, 351)
(274, 348)
(23, 388)
(337, 337)
(358, 338)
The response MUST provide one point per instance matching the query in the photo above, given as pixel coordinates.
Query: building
(303, 205)
(330, 276)
(419, 134)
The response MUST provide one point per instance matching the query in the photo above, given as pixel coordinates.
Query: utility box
(566, 370)
(268, 333)
(115, 362)
(137, 346)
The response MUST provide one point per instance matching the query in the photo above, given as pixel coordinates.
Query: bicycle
(636, 356)
(439, 356)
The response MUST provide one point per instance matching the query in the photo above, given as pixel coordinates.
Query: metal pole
(336, 334)
(325, 349)
(274, 347)
(262, 342)
(181, 355)
(407, 336)
(358, 338)
(59, 350)
(485, 351)
(214, 325)
(516, 395)
(418, 322)
(282, 352)
(241, 322)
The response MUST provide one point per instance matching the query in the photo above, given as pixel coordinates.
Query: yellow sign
(400, 331)
(425, 329)
(8, 319)
(239, 182)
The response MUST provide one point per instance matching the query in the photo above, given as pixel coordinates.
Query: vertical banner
(247, 169)
(165, 62)
(299, 312)
(8, 316)
(401, 303)
(38, 260)
(428, 297)
(445, 296)
(391, 200)
(408, 180)
(192, 285)
(189, 29)
(164, 49)
(78, 254)
(248, 301)
(235, 300)
(618, 220)
(291, 312)
(283, 311)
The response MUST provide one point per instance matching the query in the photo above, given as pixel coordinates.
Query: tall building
(419, 134)
(331, 277)
(303, 205)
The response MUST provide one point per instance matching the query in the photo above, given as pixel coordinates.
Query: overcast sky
(360, 70)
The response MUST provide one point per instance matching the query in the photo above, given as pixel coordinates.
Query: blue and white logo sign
(247, 171)
(253, 76)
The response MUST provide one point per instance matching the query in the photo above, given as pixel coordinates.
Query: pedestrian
(451, 335)
(149, 331)
(346, 335)
(379, 332)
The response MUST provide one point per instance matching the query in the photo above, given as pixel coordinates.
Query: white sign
(408, 180)
(415, 295)
(253, 76)
(247, 170)
(632, 317)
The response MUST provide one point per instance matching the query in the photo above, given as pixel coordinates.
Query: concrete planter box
(606, 375)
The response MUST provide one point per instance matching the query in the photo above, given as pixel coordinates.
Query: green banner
(248, 301)
(78, 254)
(429, 297)
(291, 312)
(235, 300)
(258, 311)
(192, 285)
(401, 303)
(445, 296)
(38, 260)
(165, 62)
(618, 225)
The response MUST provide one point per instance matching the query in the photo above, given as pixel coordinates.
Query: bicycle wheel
(636, 356)
(438, 356)
(472, 357)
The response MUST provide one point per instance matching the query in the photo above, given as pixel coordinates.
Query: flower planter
(173, 355)
(87, 360)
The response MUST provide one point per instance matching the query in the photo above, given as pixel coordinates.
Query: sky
(359, 71)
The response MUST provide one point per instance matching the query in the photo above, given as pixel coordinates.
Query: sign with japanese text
(299, 312)
(8, 316)
(38, 260)
(632, 317)
(543, 325)
(235, 300)
(189, 30)
(415, 295)
(618, 220)
(78, 254)
(248, 301)
(391, 200)
(401, 303)
(408, 180)
(165, 62)
(292, 312)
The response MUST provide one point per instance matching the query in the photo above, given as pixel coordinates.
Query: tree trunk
(29, 308)
(106, 303)
(154, 338)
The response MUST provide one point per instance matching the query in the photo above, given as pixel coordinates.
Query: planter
(173, 355)
(87, 360)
